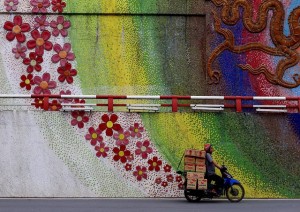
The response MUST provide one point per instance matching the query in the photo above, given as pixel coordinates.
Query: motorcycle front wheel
(190, 197)
(235, 193)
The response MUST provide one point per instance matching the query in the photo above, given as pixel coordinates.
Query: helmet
(207, 147)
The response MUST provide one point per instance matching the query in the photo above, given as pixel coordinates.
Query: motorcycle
(232, 188)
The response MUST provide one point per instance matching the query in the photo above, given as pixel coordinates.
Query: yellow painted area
(121, 52)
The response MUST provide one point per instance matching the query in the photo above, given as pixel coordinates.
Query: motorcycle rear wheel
(235, 193)
(191, 198)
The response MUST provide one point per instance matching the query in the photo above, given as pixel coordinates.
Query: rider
(210, 168)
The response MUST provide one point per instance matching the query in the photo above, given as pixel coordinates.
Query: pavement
(145, 205)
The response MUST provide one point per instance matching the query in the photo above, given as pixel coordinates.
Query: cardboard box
(191, 184)
(194, 175)
(200, 153)
(190, 152)
(200, 161)
(189, 167)
(189, 160)
(202, 184)
(201, 168)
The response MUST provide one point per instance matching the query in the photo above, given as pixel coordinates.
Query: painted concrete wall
(143, 48)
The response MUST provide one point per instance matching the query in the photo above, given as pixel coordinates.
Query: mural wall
(137, 47)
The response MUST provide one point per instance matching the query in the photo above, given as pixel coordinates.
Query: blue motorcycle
(232, 188)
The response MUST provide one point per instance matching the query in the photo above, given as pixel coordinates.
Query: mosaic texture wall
(137, 47)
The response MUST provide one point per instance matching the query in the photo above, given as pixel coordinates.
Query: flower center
(143, 148)
(11, 4)
(60, 26)
(40, 41)
(44, 85)
(154, 164)
(63, 54)
(40, 5)
(79, 118)
(94, 135)
(17, 29)
(140, 172)
(109, 124)
(136, 130)
(101, 150)
(121, 136)
(67, 73)
(121, 154)
(54, 107)
(40, 102)
(27, 81)
(32, 62)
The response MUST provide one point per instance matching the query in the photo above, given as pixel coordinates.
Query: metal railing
(276, 104)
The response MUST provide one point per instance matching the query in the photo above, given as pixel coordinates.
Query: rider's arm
(216, 164)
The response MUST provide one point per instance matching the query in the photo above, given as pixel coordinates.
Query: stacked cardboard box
(194, 166)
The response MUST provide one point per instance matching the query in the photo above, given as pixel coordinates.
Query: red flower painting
(154, 164)
(40, 6)
(27, 81)
(136, 130)
(43, 84)
(63, 54)
(60, 26)
(143, 149)
(16, 29)
(33, 62)
(109, 124)
(79, 118)
(40, 42)
(101, 150)
(66, 73)
(140, 173)
(55, 105)
(121, 154)
(94, 136)
(58, 6)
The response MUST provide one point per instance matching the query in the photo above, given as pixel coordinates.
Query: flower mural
(27, 81)
(94, 136)
(19, 51)
(40, 6)
(121, 137)
(44, 84)
(109, 124)
(16, 29)
(114, 138)
(136, 130)
(121, 153)
(58, 6)
(60, 26)
(55, 105)
(63, 54)
(33, 62)
(154, 164)
(140, 173)
(41, 23)
(101, 150)
(66, 73)
(79, 118)
(143, 149)
(11, 5)
(40, 42)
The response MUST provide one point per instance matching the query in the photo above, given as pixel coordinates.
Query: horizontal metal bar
(269, 106)
(207, 108)
(271, 110)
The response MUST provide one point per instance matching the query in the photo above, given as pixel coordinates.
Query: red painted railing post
(110, 104)
(299, 105)
(46, 103)
(174, 104)
(238, 104)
